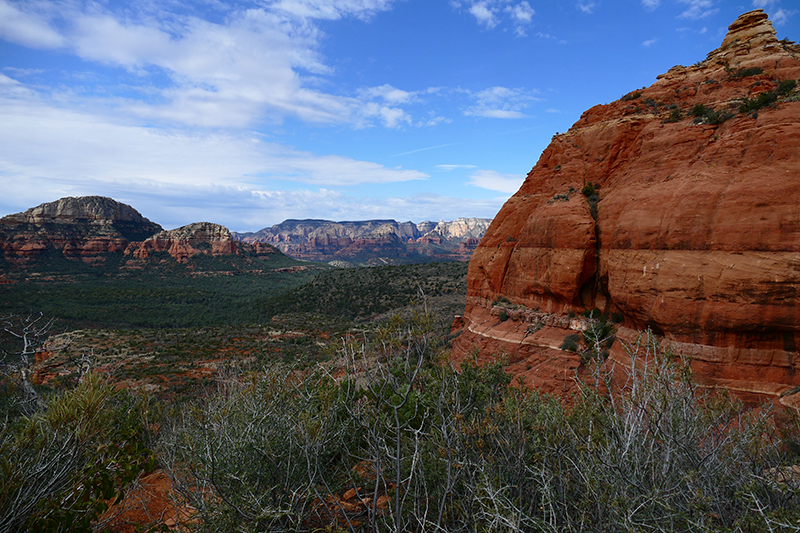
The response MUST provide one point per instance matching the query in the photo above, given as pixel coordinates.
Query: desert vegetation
(402, 441)
(392, 437)
(369, 427)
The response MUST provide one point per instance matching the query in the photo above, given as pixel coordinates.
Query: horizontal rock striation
(676, 207)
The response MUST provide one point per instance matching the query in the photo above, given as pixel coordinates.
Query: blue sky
(249, 113)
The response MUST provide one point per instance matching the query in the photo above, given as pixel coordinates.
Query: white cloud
(651, 4)
(495, 181)
(491, 13)
(763, 3)
(649, 42)
(780, 17)
(233, 69)
(587, 7)
(522, 12)
(500, 102)
(393, 117)
(698, 9)
(28, 27)
(483, 14)
(388, 94)
(42, 141)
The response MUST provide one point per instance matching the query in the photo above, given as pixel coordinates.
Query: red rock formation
(694, 230)
(85, 228)
(186, 241)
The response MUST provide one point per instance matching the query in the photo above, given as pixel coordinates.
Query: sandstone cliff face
(83, 228)
(690, 224)
(371, 240)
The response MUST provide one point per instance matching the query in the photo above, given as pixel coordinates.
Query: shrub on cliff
(707, 115)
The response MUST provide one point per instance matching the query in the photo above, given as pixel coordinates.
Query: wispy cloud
(495, 181)
(492, 13)
(649, 42)
(424, 149)
(448, 168)
(332, 9)
(781, 16)
(651, 4)
(698, 9)
(29, 27)
(41, 140)
(500, 102)
(587, 7)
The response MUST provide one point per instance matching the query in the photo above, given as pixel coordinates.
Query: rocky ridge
(674, 208)
(373, 240)
(193, 239)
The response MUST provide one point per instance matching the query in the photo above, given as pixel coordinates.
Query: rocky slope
(373, 240)
(675, 208)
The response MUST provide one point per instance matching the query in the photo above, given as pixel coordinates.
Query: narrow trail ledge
(697, 228)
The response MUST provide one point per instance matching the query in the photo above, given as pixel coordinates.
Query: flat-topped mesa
(676, 208)
(85, 228)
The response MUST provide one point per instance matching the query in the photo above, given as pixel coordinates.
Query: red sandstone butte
(696, 235)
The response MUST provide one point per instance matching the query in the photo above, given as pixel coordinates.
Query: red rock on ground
(150, 503)
(695, 231)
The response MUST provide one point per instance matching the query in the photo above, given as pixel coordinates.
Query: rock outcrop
(187, 241)
(86, 228)
(197, 238)
(677, 208)
(373, 240)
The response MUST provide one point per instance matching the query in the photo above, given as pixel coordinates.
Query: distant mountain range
(373, 241)
(100, 231)
(104, 233)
